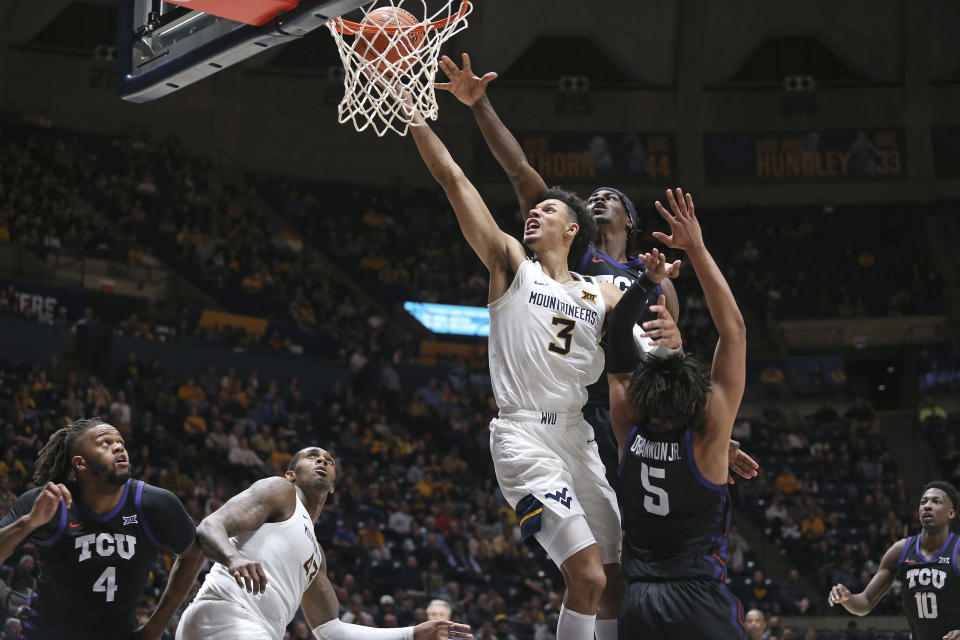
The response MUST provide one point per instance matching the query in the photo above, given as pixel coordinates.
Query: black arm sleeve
(167, 519)
(622, 351)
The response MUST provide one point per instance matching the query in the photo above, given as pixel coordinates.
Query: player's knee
(588, 582)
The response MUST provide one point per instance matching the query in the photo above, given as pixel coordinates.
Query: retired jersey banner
(806, 156)
(594, 157)
(946, 152)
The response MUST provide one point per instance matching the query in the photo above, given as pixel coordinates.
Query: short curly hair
(670, 389)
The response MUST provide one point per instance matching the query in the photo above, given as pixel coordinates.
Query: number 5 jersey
(94, 567)
(675, 520)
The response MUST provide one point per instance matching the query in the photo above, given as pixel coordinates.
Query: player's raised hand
(662, 331)
(439, 629)
(45, 506)
(464, 83)
(839, 594)
(741, 464)
(685, 230)
(248, 574)
(656, 268)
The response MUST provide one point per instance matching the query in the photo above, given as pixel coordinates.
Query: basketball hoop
(390, 59)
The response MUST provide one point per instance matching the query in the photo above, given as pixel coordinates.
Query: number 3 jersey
(675, 520)
(545, 341)
(93, 568)
(290, 557)
(930, 588)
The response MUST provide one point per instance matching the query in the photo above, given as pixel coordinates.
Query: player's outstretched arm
(471, 90)
(728, 374)
(863, 603)
(321, 609)
(31, 511)
(499, 252)
(246, 511)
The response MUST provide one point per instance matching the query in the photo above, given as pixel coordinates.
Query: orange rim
(349, 27)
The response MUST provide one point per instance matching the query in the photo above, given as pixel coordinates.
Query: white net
(390, 57)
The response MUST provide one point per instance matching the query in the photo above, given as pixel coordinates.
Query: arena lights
(450, 318)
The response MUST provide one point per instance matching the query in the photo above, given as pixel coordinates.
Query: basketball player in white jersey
(545, 328)
(268, 564)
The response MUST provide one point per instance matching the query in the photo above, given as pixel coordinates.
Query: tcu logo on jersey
(106, 544)
(620, 281)
(926, 577)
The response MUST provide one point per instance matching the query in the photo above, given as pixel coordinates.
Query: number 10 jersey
(545, 341)
(930, 591)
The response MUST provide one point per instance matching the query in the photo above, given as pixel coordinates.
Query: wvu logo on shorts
(560, 496)
(589, 297)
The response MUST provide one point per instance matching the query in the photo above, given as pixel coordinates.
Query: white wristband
(336, 629)
(646, 345)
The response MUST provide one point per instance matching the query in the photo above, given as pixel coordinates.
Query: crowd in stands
(417, 515)
(830, 498)
(301, 251)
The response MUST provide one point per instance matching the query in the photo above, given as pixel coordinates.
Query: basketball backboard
(163, 46)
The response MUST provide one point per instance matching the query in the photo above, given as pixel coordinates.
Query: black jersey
(94, 567)
(930, 591)
(603, 268)
(675, 520)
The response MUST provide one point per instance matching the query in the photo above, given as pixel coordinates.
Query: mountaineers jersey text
(544, 341)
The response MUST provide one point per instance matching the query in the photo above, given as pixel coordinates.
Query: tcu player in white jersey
(268, 564)
(545, 328)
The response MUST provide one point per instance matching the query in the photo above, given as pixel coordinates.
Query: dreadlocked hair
(578, 209)
(671, 389)
(952, 494)
(53, 463)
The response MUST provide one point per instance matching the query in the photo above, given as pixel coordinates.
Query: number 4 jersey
(675, 520)
(94, 567)
(930, 591)
(545, 341)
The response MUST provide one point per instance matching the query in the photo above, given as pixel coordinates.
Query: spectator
(194, 425)
(439, 610)
(786, 481)
(11, 629)
(794, 595)
(244, 456)
(755, 624)
(11, 468)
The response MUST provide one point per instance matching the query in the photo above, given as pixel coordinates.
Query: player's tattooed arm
(265, 500)
(863, 603)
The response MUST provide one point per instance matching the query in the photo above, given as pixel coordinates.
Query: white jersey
(545, 342)
(290, 557)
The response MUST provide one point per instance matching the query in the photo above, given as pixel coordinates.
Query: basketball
(389, 50)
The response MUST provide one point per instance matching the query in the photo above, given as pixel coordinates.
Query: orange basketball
(387, 49)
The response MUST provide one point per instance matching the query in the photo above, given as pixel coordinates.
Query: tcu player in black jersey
(673, 425)
(927, 567)
(98, 532)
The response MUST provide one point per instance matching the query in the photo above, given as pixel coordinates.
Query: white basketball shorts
(549, 469)
(221, 620)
